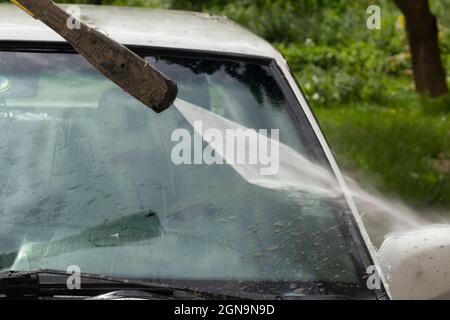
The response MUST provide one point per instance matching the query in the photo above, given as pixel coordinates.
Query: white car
(92, 181)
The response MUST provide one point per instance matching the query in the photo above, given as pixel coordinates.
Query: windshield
(90, 177)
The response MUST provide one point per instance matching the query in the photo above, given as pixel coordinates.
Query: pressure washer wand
(119, 64)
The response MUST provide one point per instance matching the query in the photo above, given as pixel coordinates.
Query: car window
(91, 177)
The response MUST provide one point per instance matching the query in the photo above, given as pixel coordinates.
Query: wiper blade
(47, 283)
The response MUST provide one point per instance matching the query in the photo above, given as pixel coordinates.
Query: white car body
(186, 31)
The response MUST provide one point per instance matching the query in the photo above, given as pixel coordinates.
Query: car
(233, 192)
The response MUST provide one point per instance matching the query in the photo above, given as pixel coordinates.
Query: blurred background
(383, 105)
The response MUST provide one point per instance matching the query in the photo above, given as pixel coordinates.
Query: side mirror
(416, 264)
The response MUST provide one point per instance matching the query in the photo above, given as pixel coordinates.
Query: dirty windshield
(220, 187)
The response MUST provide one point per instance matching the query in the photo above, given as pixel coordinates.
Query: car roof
(145, 27)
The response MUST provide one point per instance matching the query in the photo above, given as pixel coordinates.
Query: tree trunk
(422, 29)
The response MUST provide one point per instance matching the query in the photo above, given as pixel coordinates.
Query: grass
(403, 149)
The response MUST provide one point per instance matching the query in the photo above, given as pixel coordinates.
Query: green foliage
(337, 74)
(286, 21)
(336, 58)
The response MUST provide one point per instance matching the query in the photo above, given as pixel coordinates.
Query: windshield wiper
(50, 283)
